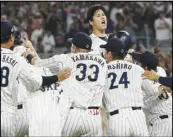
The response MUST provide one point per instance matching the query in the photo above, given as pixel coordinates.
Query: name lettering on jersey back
(54, 86)
(119, 66)
(9, 60)
(88, 57)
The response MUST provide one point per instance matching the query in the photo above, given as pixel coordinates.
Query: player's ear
(12, 38)
(145, 68)
(91, 22)
(109, 55)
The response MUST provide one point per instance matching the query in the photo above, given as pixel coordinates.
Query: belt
(19, 106)
(117, 111)
(163, 116)
(88, 107)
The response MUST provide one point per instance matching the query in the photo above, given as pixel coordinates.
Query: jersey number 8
(92, 78)
(4, 76)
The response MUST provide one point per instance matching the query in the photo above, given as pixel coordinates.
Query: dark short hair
(92, 10)
(117, 56)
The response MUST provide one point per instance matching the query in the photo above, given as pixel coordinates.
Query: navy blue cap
(114, 45)
(124, 37)
(6, 30)
(147, 59)
(81, 40)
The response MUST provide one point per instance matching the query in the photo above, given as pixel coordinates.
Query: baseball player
(158, 103)
(14, 67)
(22, 123)
(98, 22)
(32, 119)
(47, 109)
(123, 99)
(85, 86)
(96, 17)
(31, 114)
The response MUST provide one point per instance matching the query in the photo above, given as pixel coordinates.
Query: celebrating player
(123, 99)
(85, 86)
(158, 103)
(14, 67)
(98, 22)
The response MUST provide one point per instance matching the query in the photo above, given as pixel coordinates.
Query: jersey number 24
(123, 80)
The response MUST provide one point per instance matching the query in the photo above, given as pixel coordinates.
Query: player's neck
(6, 45)
(114, 60)
(99, 33)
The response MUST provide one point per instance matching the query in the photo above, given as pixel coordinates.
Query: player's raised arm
(29, 45)
(33, 81)
(54, 63)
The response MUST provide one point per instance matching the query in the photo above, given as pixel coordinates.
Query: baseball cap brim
(103, 46)
(136, 56)
(70, 40)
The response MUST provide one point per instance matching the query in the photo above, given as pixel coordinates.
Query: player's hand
(164, 89)
(64, 74)
(27, 52)
(27, 43)
(151, 75)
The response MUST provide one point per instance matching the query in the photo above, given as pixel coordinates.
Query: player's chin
(102, 28)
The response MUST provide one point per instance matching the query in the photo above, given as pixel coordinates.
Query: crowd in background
(49, 24)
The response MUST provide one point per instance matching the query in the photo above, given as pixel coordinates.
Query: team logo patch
(87, 46)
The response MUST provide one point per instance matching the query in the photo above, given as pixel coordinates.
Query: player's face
(107, 55)
(11, 41)
(99, 20)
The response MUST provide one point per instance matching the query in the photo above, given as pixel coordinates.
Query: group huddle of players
(64, 95)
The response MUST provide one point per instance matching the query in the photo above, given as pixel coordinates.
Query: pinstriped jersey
(55, 90)
(123, 85)
(87, 81)
(96, 42)
(14, 67)
(155, 102)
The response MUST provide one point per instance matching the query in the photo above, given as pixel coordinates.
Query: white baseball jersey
(96, 42)
(48, 109)
(157, 104)
(13, 67)
(22, 123)
(123, 88)
(124, 96)
(19, 49)
(87, 83)
(85, 86)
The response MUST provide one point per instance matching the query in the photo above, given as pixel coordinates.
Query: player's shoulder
(19, 49)
(6, 51)
(11, 54)
(135, 66)
(61, 58)
(161, 71)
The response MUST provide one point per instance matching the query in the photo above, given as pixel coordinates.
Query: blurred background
(49, 24)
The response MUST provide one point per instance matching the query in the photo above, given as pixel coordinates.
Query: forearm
(49, 80)
(166, 81)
